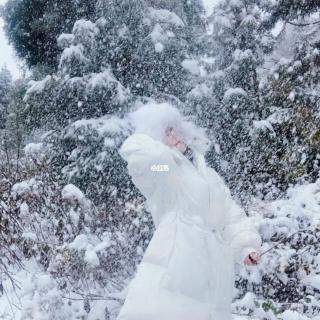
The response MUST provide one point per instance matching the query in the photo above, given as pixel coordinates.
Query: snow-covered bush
(70, 238)
(288, 277)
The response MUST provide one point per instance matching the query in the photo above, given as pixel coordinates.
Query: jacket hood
(153, 118)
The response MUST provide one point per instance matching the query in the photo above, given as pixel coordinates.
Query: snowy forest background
(72, 225)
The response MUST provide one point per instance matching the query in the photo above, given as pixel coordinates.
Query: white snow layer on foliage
(24, 209)
(263, 125)
(193, 67)
(29, 236)
(84, 32)
(107, 130)
(313, 280)
(101, 79)
(34, 150)
(209, 6)
(91, 258)
(105, 126)
(71, 192)
(106, 79)
(153, 118)
(65, 40)
(231, 92)
(165, 16)
(223, 21)
(73, 52)
(83, 241)
(91, 246)
(158, 36)
(37, 86)
(24, 187)
(200, 91)
(84, 28)
(39, 298)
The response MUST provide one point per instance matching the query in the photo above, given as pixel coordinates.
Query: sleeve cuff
(244, 252)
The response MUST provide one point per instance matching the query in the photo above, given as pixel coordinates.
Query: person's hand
(253, 258)
(172, 140)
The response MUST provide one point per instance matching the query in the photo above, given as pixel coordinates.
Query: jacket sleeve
(239, 229)
(150, 162)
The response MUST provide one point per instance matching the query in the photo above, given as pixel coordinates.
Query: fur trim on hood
(153, 118)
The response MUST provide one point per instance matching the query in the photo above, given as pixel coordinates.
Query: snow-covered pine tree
(13, 133)
(286, 281)
(146, 55)
(290, 10)
(32, 27)
(228, 101)
(5, 85)
(130, 53)
(291, 99)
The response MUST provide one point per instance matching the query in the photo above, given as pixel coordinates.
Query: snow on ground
(37, 295)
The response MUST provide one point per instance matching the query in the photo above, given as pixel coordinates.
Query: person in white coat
(187, 272)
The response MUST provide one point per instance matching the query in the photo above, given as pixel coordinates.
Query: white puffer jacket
(187, 271)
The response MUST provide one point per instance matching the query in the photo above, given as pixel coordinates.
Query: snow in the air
(105, 214)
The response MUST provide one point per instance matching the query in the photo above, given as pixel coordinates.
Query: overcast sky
(7, 56)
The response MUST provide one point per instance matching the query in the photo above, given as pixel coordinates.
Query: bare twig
(303, 24)
(283, 240)
(93, 298)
